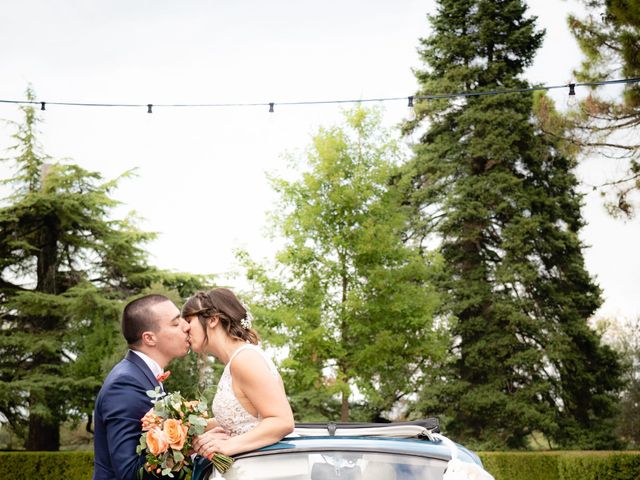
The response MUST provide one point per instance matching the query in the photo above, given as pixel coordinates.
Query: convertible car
(351, 451)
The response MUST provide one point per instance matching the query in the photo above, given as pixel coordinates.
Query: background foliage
(502, 199)
(609, 127)
(66, 269)
(347, 298)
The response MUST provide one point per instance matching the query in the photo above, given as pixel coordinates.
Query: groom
(156, 334)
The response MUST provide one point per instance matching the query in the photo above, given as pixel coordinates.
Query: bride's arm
(266, 393)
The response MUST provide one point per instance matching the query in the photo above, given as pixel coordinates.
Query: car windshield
(331, 465)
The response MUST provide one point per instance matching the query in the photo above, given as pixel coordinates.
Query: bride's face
(196, 334)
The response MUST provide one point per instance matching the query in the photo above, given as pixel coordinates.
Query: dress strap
(255, 348)
(244, 347)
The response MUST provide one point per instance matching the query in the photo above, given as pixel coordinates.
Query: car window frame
(365, 449)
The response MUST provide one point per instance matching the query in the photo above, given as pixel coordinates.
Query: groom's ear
(148, 339)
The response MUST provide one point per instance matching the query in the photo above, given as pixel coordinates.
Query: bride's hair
(222, 302)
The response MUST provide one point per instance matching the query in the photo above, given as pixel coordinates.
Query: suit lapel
(138, 362)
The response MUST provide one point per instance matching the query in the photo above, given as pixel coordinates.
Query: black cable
(271, 105)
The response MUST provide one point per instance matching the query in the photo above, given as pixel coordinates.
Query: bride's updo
(222, 302)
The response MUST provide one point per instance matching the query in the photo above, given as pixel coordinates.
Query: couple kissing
(250, 408)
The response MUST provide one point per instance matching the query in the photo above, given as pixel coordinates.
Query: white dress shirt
(151, 363)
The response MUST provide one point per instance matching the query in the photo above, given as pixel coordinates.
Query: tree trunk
(43, 435)
(89, 426)
(344, 409)
(344, 337)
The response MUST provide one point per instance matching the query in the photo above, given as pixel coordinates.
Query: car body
(352, 452)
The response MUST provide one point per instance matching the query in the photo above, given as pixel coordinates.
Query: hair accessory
(247, 320)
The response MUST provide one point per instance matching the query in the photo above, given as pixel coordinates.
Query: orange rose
(176, 433)
(149, 421)
(157, 441)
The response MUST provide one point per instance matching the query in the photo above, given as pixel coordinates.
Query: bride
(250, 407)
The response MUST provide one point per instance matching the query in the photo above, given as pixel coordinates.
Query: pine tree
(609, 37)
(349, 303)
(501, 198)
(65, 269)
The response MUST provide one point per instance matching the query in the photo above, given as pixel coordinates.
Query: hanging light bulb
(411, 112)
(572, 101)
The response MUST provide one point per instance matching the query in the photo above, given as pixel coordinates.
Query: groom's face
(172, 333)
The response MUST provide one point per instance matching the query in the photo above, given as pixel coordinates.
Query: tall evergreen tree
(609, 37)
(501, 198)
(65, 269)
(348, 301)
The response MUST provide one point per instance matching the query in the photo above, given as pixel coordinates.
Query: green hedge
(502, 465)
(562, 465)
(46, 465)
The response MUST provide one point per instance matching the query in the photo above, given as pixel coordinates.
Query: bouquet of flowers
(168, 430)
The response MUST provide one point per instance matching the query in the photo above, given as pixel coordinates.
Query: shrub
(46, 465)
(615, 466)
(584, 465)
(521, 465)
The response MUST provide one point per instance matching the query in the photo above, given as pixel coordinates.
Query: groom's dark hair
(137, 317)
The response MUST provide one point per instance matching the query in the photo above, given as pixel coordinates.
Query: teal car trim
(404, 446)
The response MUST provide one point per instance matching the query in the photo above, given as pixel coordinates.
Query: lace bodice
(227, 410)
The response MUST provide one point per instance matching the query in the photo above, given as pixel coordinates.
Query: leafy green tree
(501, 198)
(624, 336)
(628, 426)
(347, 301)
(65, 269)
(609, 36)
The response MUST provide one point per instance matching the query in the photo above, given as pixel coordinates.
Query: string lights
(410, 99)
(572, 100)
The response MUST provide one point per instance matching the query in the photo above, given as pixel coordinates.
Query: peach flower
(150, 420)
(176, 433)
(157, 441)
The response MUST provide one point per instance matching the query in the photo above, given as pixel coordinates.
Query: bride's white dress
(226, 408)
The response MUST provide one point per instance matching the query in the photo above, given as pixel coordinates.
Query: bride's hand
(210, 442)
(212, 423)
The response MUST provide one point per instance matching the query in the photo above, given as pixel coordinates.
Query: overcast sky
(202, 171)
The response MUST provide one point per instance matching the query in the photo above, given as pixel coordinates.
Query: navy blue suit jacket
(120, 405)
